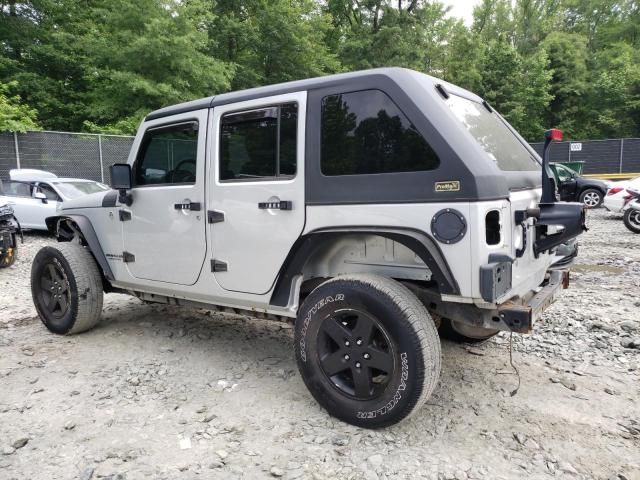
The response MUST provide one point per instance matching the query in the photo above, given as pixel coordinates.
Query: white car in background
(615, 198)
(35, 194)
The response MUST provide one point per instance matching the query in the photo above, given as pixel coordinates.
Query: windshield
(77, 189)
(493, 135)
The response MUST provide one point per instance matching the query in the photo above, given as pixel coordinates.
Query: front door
(567, 184)
(47, 206)
(258, 199)
(164, 229)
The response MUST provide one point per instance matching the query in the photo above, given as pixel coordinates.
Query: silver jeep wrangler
(372, 208)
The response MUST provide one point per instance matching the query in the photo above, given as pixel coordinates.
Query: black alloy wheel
(55, 294)
(367, 349)
(356, 353)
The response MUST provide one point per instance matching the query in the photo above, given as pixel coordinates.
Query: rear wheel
(591, 198)
(461, 332)
(367, 349)
(631, 220)
(67, 288)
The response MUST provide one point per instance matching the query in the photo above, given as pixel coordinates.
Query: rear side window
(259, 144)
(168, 155)
(493, 135)
(365, 132)
(17, 189)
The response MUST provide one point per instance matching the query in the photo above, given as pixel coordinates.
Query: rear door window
(365, 132)
(17, 189)
(259, 144)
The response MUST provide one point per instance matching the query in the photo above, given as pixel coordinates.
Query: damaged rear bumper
(516, 315)
(520, 317)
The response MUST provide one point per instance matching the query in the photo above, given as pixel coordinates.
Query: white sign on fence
(576, 147)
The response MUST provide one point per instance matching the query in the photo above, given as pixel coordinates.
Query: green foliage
(517, 86)
(100, 66)
(15, 116)
(271, 41)
(568, 55)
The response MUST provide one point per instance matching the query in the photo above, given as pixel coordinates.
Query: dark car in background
(573, 187)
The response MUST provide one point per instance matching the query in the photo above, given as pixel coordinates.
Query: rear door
(567, 183)
(164, 229)
(257, 203)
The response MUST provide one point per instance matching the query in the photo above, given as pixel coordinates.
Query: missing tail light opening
(492, 227)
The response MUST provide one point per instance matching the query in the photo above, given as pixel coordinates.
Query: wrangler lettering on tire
(370, 355)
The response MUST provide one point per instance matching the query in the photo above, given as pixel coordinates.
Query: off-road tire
(462, 333)
(8, 258)
(400, 318)
(631, 219)
(80, 288)
(589, 194)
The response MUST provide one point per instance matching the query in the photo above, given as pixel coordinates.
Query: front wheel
(631, 220)
(66, 286)
(367, 349)
(591, 198)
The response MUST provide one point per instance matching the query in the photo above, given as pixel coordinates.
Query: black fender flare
(417, 241)
(89, 234)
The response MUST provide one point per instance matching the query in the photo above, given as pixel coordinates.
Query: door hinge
(214, 216)
(128, 257)
(218, 266)
(124, 215)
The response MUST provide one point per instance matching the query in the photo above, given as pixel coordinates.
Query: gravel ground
(161, 392)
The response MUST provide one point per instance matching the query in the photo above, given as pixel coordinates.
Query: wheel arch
(65, 227)
(308, 245)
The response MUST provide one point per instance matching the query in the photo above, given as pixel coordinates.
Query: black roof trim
(181, 108)
(277, 89)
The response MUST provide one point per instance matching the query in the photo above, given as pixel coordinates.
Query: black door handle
(281, 205)
(193, 206)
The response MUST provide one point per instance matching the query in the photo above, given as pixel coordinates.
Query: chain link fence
(84, 155)
(614, 156)
(78, 155)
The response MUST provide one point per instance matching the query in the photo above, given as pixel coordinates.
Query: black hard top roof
(393, 73)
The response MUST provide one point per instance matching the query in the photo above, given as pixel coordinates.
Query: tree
(493, 19)
(614, 106)
(379, 33)
(568, 56)
(465, 62)
(272, 41)
(517, 87)
(99, 63)
(14, 115)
